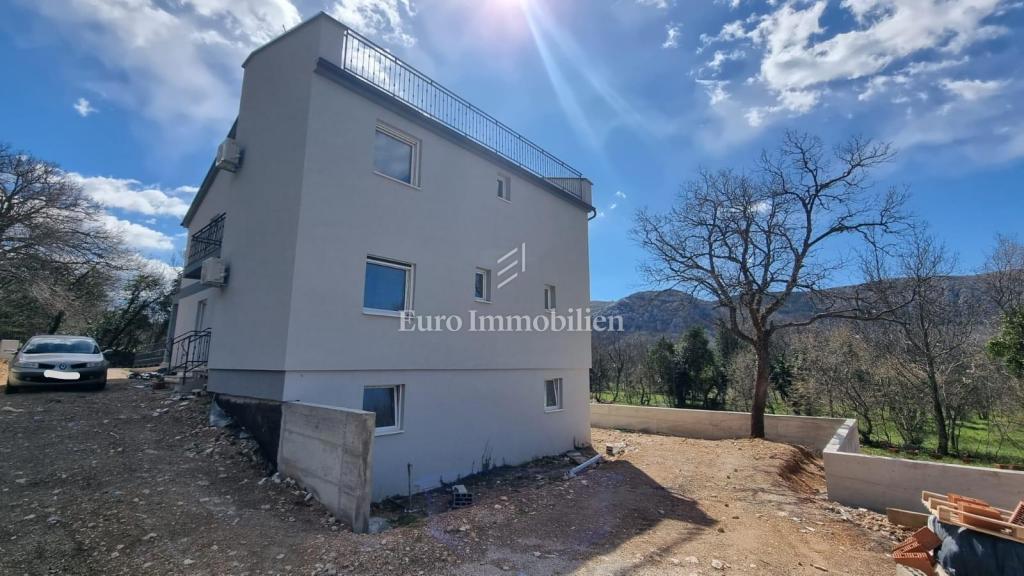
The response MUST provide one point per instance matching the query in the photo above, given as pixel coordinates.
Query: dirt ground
(131, 481)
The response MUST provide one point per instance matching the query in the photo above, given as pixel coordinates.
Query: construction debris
(461, 497)
(615, 449)
(575, 471)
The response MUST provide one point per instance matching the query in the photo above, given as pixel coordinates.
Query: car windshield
(61, 346)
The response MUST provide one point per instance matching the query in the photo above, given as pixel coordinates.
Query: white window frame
(487, 285)
(559, 389)
(506, 187)
(399, 410)
(414, 170)
(410, 272)
(200, 314)
(550, 297)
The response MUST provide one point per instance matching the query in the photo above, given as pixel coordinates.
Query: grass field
(980, 445)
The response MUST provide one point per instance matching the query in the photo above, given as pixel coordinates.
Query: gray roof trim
(333, 72)
(211, 175)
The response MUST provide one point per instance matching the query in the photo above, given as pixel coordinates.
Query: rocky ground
(133, 481)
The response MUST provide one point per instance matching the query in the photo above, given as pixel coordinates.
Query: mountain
(672, 312)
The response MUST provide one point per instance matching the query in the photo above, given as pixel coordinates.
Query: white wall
(812, 433)
(453, 223)
(880, 482)
(452, 419)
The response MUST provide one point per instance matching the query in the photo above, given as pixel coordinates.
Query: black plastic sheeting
(965, 552)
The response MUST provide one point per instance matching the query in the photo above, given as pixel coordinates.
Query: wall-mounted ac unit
(229, 155)
(213, 272)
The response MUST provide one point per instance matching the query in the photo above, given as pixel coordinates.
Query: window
(553, 394)
(549, 297)
(482, 285)
(201, 315)
(386, 404)
(388, 287)
(504, 188)
(396, 155)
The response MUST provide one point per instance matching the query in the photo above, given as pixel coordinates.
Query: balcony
(204, 244)
(372, 64)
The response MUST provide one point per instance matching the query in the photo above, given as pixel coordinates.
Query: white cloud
(662, 4)
(972, 90)
(136, 235)
(613, 206)
(620, 194)
(186, 190)
(801, 60)
(715, 90)
(177, 63)
(384, 19)
(160, 268)
(130, 195)
(84, 107)
(672, 34)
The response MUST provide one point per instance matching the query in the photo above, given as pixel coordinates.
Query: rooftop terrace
(375, 66)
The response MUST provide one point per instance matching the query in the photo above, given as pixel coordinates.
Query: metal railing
(375, 66)
(207, 240)
(189, 351)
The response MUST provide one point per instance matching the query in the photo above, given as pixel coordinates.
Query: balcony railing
(206, 242)
(372, 64)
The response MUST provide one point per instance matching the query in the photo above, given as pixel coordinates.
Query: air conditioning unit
(213, 272)
(229, 155)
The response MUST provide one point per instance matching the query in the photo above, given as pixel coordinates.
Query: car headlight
(26, 364)
(95, 364)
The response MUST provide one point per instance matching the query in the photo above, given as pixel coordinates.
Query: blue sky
(132, 96)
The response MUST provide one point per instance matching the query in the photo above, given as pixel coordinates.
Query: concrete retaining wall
(327, 450)
(812, 433)
(880, 482)
(853, 479)
(261, 418)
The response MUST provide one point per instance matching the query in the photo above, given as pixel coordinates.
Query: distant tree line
(936, 362)
(62, 270)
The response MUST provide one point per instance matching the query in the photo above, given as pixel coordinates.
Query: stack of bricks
(1018, 514)
(915, 551)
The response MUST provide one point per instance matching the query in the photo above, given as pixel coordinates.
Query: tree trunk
(56, 323)
(940, 417)
(761, 382)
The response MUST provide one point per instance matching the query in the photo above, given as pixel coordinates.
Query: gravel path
(131, 481)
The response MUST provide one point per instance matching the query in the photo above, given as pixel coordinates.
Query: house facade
(354, 197)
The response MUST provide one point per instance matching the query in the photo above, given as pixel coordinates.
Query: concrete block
(328, 450)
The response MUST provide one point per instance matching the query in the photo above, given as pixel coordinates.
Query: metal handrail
(375, 66)
(207, 240)
(189, 351)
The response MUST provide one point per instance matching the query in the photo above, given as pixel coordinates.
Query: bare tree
(52, 237)
(933, 336)
(750, 242)
(1003, 274)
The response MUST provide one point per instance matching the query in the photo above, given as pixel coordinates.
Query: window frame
(550, 297)
(404, 138)
(410, 271)
(506, 185)
(399, 410)
(559, 395)
(486, 298)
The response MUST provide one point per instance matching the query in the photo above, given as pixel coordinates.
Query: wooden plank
(906, 518)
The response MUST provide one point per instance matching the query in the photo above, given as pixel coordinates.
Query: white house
(352, 188)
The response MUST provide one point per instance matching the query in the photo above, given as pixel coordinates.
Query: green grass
(979, 446)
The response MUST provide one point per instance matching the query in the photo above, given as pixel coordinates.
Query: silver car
(58, 360)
